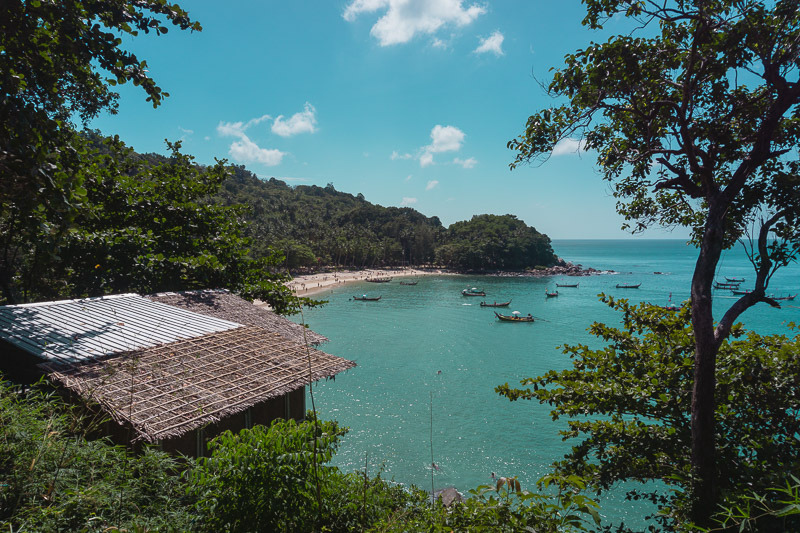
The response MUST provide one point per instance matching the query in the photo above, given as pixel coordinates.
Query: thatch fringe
(168, 390)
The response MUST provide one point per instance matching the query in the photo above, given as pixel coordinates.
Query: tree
(696, 123)
(495, 242)
(629, 403)
(148, 225)
(58, 61)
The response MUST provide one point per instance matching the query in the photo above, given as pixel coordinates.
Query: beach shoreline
(314, 284)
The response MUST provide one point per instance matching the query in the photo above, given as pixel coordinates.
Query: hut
(170, 369)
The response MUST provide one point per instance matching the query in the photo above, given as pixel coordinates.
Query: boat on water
(738, 292)
(734, 280)
(365, 298)
(516, 316)
(627, 286)
(495, 304)
(550, 294)
(409, 282)
(378, 280)
(783, 297)
(719, 285)
(567, 284)
(473, 292)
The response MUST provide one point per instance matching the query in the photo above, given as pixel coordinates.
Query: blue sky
(410, 102)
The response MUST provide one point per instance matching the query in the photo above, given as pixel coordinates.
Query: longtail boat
(550, 294)
(623, 286)
(567, 284)
(514, 318)
(378, 280)
(734, 280)
(409, 282)
(737, 292)
(719, 285)
(783, 297)
(504, 304)
(365, 298)
(473, 292)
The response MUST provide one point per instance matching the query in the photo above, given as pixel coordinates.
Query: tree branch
(763, 275)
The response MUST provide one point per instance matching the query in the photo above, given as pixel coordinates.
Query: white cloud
(404, 19)
(445, 139)
(491, 44)
(438, 43)
(245, 150)
(466, 163)
(431, 184)
(184, 130)
(357, 7)
(408, 201)
(408, 178)
(302, 122)
(568, 147)
(237, 129)
(395, 155)
(426, 159)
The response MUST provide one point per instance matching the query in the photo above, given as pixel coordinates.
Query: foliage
(52, 478)
(54, 57)
(263, 479)
(629, 405)
(779, 503)
(492, 242)
(695, 118)
(505, 507)
(148, 227)
(315, 226)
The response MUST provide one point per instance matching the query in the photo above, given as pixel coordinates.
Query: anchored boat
(514, 317)
(503, 304)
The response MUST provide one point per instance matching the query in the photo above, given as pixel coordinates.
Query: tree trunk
(704, 487)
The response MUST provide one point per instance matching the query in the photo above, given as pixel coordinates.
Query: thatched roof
(227, 306)
(168, 390)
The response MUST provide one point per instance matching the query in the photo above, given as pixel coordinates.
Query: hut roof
(222, 304)
(165, 391)
(76, 330)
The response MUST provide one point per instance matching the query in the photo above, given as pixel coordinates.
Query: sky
(409, 102)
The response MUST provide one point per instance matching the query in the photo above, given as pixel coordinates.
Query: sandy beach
(314, 284)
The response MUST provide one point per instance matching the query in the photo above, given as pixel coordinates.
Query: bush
(52, 478)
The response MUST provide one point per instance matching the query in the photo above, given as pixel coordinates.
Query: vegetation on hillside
(314, 226)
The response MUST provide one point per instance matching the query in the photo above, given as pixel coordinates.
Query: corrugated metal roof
(75, 330)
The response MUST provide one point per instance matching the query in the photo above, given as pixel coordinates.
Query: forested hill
(315, 225)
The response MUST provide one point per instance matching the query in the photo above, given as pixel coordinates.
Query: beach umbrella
(515, 313)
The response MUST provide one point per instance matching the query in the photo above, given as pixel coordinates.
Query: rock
(448, 496)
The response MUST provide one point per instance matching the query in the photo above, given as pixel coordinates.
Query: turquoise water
(427, 350)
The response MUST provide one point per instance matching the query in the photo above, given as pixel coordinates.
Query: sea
(429, 360)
